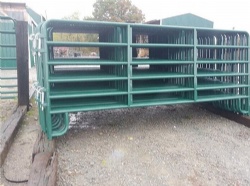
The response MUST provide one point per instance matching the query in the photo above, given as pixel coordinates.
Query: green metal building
(7, 43)
(16, 11)
(188, 20)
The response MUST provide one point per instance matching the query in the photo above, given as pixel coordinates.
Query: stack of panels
(92, 80)
(223, 69)
(166, 74)
(84, 66)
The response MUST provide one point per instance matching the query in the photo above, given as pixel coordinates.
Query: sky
(226, 14)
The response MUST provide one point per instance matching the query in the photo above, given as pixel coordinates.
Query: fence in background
(8, 58)
(14, 60)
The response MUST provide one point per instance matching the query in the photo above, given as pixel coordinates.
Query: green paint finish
(138, 65)
(7, 57)
(7, 43)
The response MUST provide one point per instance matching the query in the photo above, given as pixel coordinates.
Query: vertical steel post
(248, 71)
(129, 60)
(22, 62)
(195, 64)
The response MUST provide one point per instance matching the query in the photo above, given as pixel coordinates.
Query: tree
(73, 16)
(74, 37)
(117, 11)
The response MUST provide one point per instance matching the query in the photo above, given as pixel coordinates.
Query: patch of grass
(15, 99)
(2, 118)
(187, 117)
(33, 110)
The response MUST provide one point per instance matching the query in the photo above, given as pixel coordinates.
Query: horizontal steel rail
(135, 65)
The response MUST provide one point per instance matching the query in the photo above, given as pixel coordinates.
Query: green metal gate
(8, 58)
(183, 65)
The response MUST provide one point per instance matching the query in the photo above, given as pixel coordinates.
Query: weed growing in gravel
(187, 117)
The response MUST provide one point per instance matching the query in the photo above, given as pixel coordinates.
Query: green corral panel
(8, 81)
(8, 38)
(7, 43)
(182, 65)
(190, 20)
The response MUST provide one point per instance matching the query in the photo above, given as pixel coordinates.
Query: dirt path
(9, 105)
(168, 145)
(17, 164)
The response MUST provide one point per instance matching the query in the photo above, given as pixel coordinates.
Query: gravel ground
(165, 145)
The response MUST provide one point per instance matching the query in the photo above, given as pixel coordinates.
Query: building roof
(12, 4)
(13, 10)
(19, 11)
(187, 20)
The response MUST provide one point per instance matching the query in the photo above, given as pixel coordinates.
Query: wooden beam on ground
(22, 56)
(244, 120)
(43, 170)
(44, 162)
(9, 131)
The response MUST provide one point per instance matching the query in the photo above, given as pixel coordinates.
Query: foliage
(117, 11)
(104, 10)
(75, 37)
(74, 16)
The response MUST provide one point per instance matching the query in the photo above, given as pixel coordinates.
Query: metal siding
(15, 14)
(8, 39)
(8, 59)
(11, 40)
(19, 12)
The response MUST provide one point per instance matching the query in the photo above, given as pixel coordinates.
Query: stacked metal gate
(8, 75)
(183, 65)
(223, 69)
